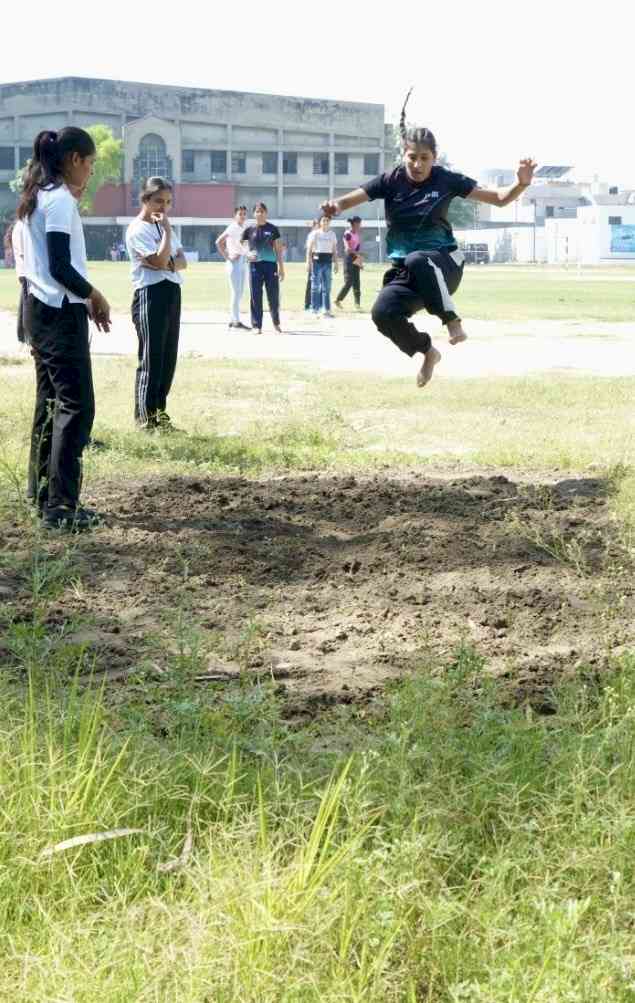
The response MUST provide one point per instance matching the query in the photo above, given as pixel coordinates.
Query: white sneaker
(327, 313)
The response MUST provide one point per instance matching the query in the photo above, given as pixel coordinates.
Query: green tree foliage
(108, 163)
(107, 167)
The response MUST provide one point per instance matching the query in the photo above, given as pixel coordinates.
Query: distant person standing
(266, 267)
(313, 226)
(17, 243)
(321, 262)
(157, 262)
(232, 249)
(353, 262)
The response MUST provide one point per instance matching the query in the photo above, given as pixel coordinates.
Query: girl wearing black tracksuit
(157, 262)
(59, 301)
(427, 265)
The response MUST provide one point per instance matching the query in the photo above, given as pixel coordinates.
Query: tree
(106, 169)
(108, 163)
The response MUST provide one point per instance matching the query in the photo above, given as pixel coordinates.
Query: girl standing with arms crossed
(427, 266)
(157, 262)
(59, 301)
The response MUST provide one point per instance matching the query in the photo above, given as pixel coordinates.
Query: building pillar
(229, 151)
(280, 172)
(331, 165)
(16, 140)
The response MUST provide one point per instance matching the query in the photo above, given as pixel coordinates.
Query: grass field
(489, 293)
(458, 827)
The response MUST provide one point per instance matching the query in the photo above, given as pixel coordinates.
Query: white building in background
(559, 219)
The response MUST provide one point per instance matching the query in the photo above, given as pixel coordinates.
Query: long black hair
(416, 135)
(45, 169)
(152, 186)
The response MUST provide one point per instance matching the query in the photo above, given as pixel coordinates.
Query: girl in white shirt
(59, 301)
(230, 246)
(321, 262)
(157, 262)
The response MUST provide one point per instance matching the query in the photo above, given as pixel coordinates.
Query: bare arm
(336, 206)
(180, 261)
(221, 245)
(503, 196)
(161, 258)
(277, 246)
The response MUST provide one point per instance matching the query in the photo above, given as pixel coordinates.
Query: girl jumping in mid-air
(427, 266)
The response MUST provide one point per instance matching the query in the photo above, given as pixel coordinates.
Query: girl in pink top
(353, 262)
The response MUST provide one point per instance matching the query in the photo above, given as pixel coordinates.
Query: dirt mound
(334, 585)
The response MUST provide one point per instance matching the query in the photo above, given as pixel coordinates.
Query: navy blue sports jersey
(417, 213)
(261, 240)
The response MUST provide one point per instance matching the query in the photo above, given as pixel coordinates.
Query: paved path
(351, 343)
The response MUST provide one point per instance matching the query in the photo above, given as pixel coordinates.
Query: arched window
(153, 158)
(153, 161)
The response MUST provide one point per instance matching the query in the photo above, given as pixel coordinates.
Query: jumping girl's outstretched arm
(333, 207)
(503, 196)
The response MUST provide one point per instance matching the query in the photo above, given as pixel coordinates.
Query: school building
(219, 148)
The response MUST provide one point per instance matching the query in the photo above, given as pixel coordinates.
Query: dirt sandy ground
(350, 342)
(333, 586)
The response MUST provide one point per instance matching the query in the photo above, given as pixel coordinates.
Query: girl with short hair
(59, 301)
(427, 265)
(157, 261)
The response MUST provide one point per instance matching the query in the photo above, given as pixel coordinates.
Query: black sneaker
(232, 324)
(241, 326)
(70, 520)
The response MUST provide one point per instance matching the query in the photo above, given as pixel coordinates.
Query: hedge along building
(219, 148)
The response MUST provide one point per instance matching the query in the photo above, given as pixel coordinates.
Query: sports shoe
(339, 305)
(241, 326)
(232, 323)
(70, 520)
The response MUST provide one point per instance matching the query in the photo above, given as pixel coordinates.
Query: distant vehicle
(476, 254)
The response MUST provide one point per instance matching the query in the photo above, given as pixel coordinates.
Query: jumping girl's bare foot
(456, 334)
(430, 360)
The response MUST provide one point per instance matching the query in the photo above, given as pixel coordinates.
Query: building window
(320, 163)
(187, 161)
(371, 163)
(218, 162)
(6, 158)
(239, 163)
(153, 160)
(549, 211)
(341, 163)
(270, 163)
(615, 220)
(26, 152)
(289, 163)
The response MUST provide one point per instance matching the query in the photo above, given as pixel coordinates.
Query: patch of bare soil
(335, 585)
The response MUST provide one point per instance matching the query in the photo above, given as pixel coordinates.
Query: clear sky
(494, 81)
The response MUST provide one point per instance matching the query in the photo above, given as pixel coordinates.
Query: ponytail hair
(45, 168)
(415, 135)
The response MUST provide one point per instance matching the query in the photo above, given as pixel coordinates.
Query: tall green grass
(444, 849)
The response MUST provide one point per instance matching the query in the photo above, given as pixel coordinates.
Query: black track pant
(64, 401)
(264, 273)
(425, 281)
(351, 280)
(156, 314)
(22, 331)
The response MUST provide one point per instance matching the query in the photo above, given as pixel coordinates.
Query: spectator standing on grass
(313, 226)
(157, 261)
(353, 262)
(232, 249)
(321, 262)
(427, 265)
(59, 302)
(266, 267)
(17, 244)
